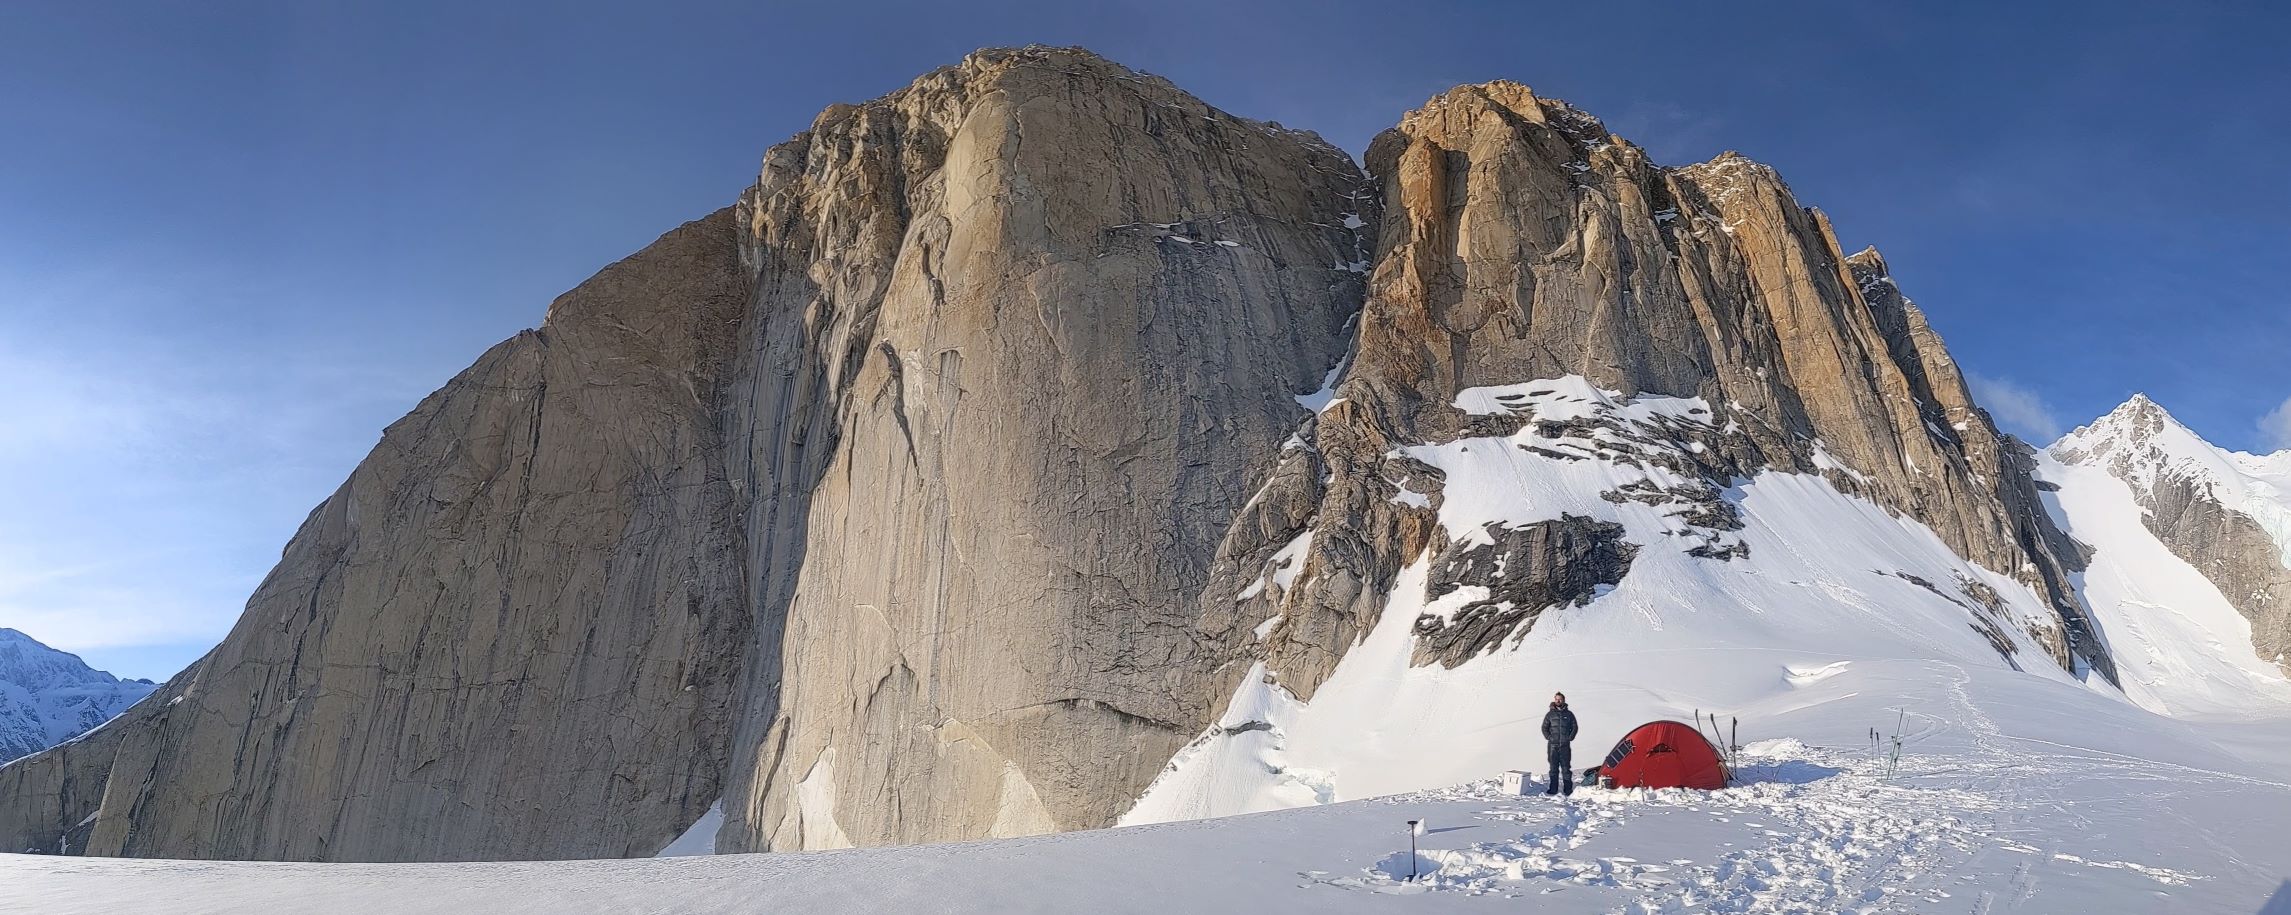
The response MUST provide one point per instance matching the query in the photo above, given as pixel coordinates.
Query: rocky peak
(1523, 244)
(2139, 441)
(1870, 268)
(1032, 328)
(2226, 514)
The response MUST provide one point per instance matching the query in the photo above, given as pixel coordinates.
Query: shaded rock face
(876, 505)
(515, 632)
(2206, 507)
(2235, 553)
(48, 800)
(1522, 241)
(1026, 333)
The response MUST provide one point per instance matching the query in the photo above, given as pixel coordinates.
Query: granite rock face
(1026, 333)
(946, 484)
(876, 505)
(515, 632)
(1522, 241)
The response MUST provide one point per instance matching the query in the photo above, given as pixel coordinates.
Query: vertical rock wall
(1522, 241)
(1026, 335)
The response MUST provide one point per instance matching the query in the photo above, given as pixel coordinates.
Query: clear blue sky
(238, 239)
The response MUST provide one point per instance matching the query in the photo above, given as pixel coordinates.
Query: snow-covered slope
(2014, 794)
(2194, 536)
(2181, 648)
(1819, 582)
(48, 696)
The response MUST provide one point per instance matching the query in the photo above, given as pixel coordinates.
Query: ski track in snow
(1832, 834)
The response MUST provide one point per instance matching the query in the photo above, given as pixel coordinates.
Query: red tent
(1663, 754)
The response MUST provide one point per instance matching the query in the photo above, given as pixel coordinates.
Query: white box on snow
(1517, 782)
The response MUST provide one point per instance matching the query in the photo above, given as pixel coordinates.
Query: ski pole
(1413, 826)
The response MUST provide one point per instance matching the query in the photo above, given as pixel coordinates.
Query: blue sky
(238, 239)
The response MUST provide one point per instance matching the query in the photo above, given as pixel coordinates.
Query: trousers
(1562, 778)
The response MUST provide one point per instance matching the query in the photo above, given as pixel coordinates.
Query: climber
(1559, 731)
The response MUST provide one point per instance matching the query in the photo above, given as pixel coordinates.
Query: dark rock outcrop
(1525, 570)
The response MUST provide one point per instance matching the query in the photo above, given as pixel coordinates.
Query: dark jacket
(1559, 725)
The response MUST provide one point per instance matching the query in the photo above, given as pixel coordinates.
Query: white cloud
(2017, 409)
(2275, 427)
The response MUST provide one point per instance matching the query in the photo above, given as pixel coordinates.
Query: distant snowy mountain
(2182, 524)
(49, 696)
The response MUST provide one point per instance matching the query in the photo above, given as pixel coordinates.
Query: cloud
(2275, 427)
(2017, 409)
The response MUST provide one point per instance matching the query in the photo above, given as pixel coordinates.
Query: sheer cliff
(1025, 334)
(953, 479)
(1527, 252)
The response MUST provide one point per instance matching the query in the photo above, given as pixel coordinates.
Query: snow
(1266, 628)
(700, 838)
(1678, 633)
(2153, 445)
(1842, 618)
(2007, 799)
(2180, 647)
(1281, 570)
(1574, 397)
(1828, 462)
(815, 804)
(1319, 401)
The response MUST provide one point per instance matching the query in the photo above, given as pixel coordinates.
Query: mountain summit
(1037, 447)
(2225, 513)
(49, 696)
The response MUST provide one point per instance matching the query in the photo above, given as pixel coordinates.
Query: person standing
(1559, 732)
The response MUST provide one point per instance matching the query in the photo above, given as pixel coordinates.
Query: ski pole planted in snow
(1415, 828)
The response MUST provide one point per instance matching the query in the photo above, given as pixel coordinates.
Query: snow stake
(1893, 759)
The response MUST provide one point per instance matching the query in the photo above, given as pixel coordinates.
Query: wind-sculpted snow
(1804, 829)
